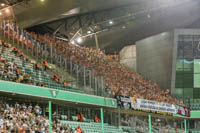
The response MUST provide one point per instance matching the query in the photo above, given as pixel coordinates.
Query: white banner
(152, 105)
(148, 105)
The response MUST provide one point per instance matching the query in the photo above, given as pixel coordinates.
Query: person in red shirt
(43, 84)
(78, 129)
(5, 44)
(64, 83)
(81, 117)
(37, 66)
(17, 72)
(78, 116)
(55, 77)
(96, 119)
(15, 50)
(45, 64)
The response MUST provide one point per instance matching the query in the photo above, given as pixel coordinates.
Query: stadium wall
(154, 58)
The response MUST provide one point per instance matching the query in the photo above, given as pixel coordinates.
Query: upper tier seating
(118, 78)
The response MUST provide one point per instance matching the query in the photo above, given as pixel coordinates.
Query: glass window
(188, 81)
(188, 65)
(196, 37)
(196, 93)
(179, 80)
(188, 92)
(178, 92)
(196, 80)
(179, 65)
(197, 66)
(185, 37)
(196, 46)
(180, 49)
(188, 49)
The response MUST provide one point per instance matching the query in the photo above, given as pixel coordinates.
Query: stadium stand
(27, 73)
(17, 66)
(28, 117)
(120, 80)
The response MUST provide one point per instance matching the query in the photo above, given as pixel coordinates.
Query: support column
(185, 123)
(23, 39)
(119, 117)
(32, 45)
(149, 123)
(4, 29)
(65, 64)
(51, 53)
(90, 78)
(8, 31)
(60, 61)
(37, 51)
(77, 73)
(102, 86)
(96, 41)
(95, 84)
(84, 77)
(71, 67)
(13, 36)
(26, 38)
(102, 121)
(111, 122)
(49, 116)
(18, 37)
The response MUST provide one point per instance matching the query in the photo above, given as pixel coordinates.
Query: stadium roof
(132, 20)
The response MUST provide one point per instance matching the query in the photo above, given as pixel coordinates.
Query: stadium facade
(172, 59)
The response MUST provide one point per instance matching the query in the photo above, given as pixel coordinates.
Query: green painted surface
(56, 94)
(185, 123)
(102, 121)
(193, 114)
(49, 116)
(149, 123)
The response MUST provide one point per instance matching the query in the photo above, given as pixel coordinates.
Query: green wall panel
(196, 80)
(197, 66)
(56, 94)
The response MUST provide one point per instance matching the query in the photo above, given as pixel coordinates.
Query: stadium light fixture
(73, 42)
(42, 0)
(123, 27)
(7, 10)
(89, 32)
(0, 13)
(79, 40)
(2, 4)
(110, 22)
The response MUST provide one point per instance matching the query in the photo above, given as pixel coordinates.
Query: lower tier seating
(92, 127)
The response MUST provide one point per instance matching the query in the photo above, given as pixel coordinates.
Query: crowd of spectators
(26, 118)
(10, 71)
(118, 78)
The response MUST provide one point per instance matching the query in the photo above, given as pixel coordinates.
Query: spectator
(64, 83)
(78, 129)
(37, 66)
(45, 64)
(96, 119)
(55, 78)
